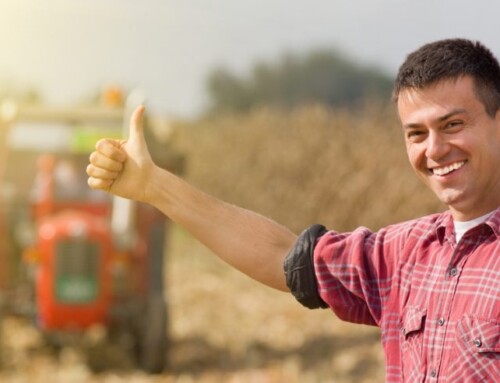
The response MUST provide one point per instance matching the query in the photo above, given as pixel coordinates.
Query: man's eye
(453, 124)
(414, 134)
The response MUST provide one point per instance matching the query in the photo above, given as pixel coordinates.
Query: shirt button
(433, 373)
(453, 272)
(477, 342)
(441, 321)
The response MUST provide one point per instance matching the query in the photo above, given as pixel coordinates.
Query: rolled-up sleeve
(346, 272)
(299, 268)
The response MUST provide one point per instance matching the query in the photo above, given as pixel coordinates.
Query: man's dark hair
(448, 60)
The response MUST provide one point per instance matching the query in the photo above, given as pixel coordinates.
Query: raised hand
(249, 242)
(123, 167)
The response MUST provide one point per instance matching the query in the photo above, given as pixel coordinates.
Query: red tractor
(72, 258)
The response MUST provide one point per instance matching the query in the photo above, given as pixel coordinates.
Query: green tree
(321, 76)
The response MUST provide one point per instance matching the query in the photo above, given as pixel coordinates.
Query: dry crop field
(301, 167)
(343, 169)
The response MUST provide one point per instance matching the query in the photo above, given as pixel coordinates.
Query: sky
(69, 49)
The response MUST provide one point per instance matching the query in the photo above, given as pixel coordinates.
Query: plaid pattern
(437, 302)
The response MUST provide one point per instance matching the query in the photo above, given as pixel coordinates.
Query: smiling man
(452, 142)
(431, 284)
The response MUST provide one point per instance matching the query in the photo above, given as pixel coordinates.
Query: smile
(447, 169)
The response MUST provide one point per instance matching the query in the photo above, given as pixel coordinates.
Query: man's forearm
(248, 241)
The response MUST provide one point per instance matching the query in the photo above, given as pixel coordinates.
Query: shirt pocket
(412, 333)
(477, 348)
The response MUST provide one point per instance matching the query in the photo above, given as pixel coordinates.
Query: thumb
(136, 128)
(136, 146)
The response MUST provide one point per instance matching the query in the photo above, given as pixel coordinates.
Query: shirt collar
(445, 228)
(494, 222)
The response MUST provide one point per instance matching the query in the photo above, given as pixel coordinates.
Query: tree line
(320, 76)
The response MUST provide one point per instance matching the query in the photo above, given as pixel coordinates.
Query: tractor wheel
(153, 342)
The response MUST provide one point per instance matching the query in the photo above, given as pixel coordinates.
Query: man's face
(453, 145)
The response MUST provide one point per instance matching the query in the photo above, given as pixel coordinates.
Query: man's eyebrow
(439, 119)
(451, 114)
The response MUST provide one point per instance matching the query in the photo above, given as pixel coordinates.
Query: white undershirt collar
(461, 227)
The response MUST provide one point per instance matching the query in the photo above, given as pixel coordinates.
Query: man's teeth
(448, 169)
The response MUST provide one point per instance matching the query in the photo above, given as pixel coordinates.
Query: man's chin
(450, 198)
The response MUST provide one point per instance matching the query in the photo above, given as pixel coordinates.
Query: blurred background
(277, 106)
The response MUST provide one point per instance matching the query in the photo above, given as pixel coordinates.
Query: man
(432, 284)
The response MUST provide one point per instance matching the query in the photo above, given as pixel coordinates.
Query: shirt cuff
(299, 268)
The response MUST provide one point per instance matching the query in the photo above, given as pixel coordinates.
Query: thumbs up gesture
(251, 243)
(123, 167)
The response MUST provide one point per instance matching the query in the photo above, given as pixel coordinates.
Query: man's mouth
(442, 171)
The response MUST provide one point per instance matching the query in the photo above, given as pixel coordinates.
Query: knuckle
(93, 157)
(90, 169)
(91, 182)
(101, 144)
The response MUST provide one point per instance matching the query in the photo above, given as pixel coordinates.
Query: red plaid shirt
(437, 302)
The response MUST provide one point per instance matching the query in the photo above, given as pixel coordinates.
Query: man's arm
(248, 241)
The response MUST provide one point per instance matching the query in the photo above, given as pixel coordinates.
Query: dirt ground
(223, 328)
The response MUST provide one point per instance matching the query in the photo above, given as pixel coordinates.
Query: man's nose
(437, 146)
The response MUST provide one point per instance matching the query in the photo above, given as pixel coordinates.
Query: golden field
(311, 165)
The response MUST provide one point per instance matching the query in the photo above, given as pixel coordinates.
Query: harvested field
(301, 167)
(224, 328)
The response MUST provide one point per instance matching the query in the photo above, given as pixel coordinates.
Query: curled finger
(111, 148)
(97, 172)
(103, 161)
(99, 183)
